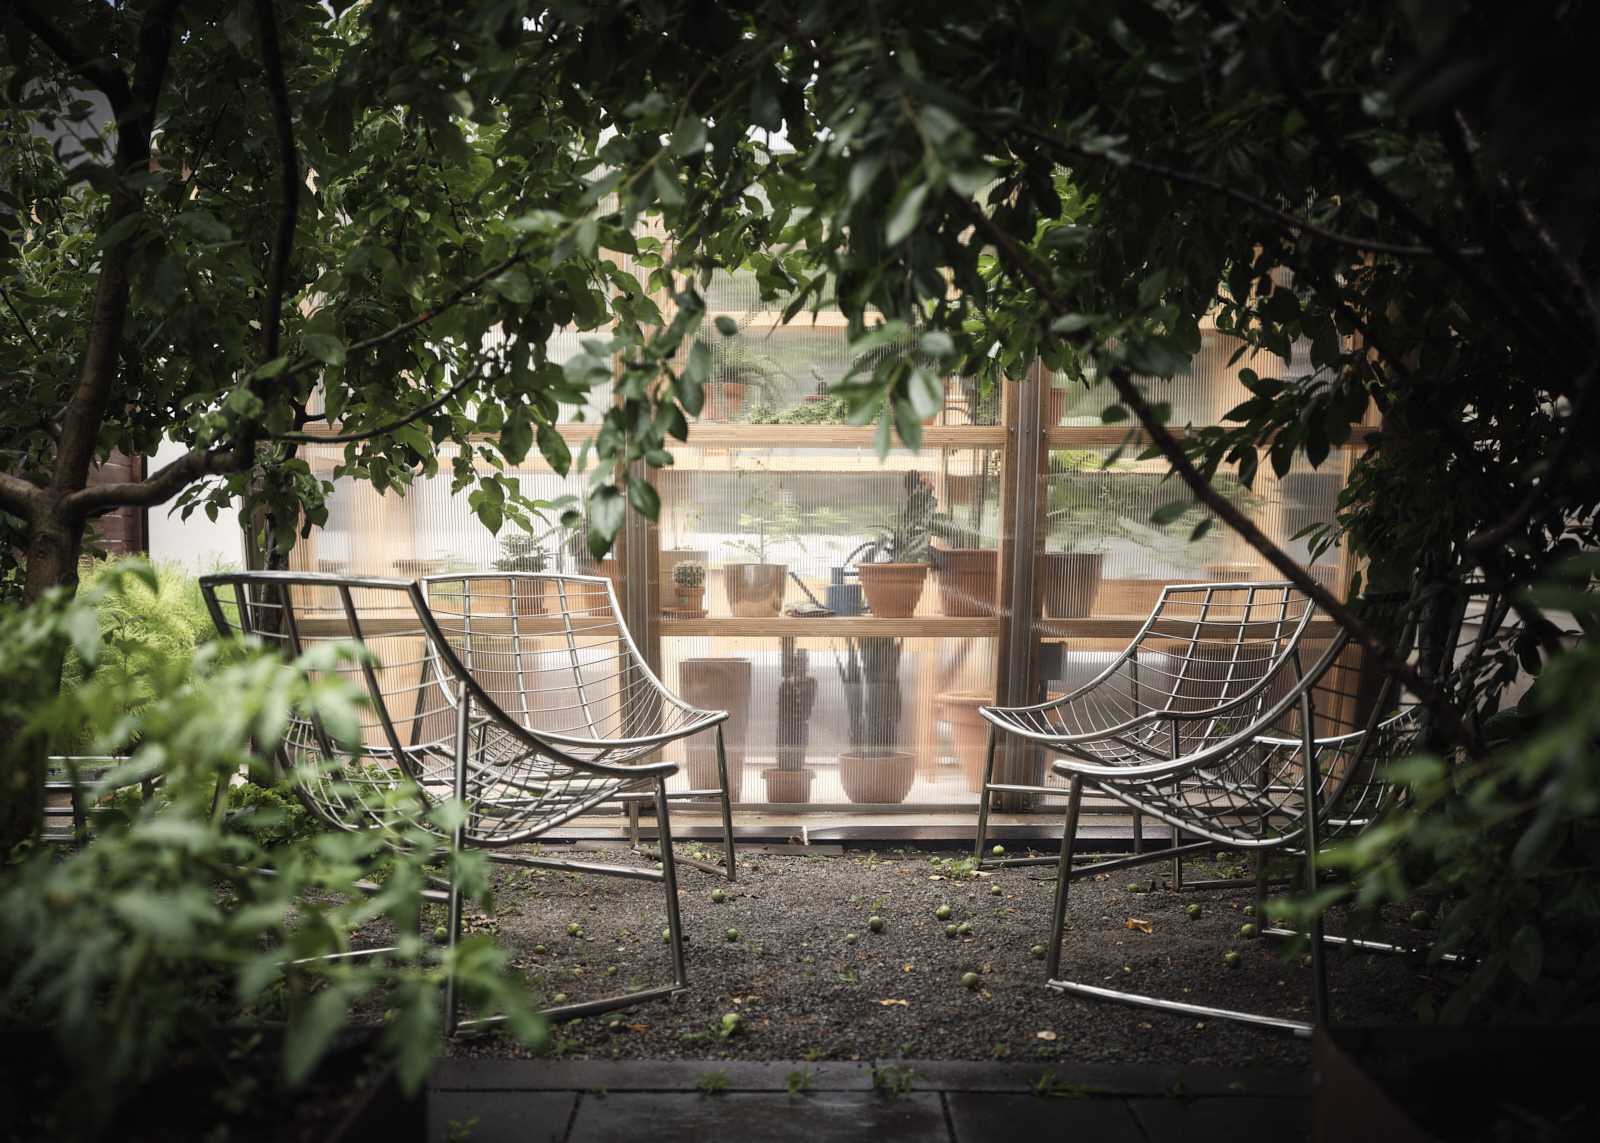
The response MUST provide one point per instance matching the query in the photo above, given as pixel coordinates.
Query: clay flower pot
(969, 734)
(892, 590)
(967, 578)
(788, 786)
(724, 400)
(689, 602)
(1071, 581)
(717, 684)
(754, 590)
(877, 779)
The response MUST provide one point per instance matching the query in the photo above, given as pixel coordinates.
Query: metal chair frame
(643, 676)
(1151, 712)
(1339, 790)
(515, 782)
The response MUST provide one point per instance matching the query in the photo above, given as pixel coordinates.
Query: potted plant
(734, 373)
(755, 588)
(966, 572)
(873, 770)
(790, 780)
(969, 734)
(1079, 519)
(522, 552)
(689, 590)
(717, 684)
(894, 566)
(685, 519)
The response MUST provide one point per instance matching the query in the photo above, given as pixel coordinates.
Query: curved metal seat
(440, 727)
(1202, 666)
(555, 654)
(1307, 765)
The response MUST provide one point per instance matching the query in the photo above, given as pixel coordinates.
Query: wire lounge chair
(554, 652)
(1199, 668)
(449, 721)
(1304, 766)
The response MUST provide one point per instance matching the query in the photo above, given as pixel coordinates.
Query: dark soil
(804, 990)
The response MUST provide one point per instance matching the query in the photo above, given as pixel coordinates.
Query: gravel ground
(778, 950)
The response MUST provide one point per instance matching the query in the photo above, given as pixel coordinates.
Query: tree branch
(161, 486)
(289, 181)
(21, 321)
(102, 72)
(471, 286)
(1021, 264)
(1260, 205)
(17, 496)
(366, 434)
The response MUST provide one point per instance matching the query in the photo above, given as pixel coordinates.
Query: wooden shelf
(835, 627)
(1127, 626)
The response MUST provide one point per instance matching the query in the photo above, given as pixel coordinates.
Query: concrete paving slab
(1009, 1118)
(499, 1117)
(821, 1117)
(1224, 1120)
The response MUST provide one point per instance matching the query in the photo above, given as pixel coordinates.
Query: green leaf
(606, 513)
(936, 343)
(863, 174)
(690, 137)
(926, 392)
(726, 326)
(666, 187)
(904, 219)
(325, 348)
(1071, 323)
(553, 447)
(513, 285)
(516, 437)
(1111, 414)
(644, 499)
(1170, 511)
(83, 631)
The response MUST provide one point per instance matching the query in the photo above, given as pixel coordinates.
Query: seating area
(523, 698)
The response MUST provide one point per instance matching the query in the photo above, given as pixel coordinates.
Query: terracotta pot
(754, 590)
(877, 779)
(689, 602)
(717, 684)
(788, 786)
(892, 590)
(967, 579)
(724, 400)
(1071, 580)
(969, 734)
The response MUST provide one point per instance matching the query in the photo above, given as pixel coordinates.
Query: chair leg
(1177, 860)
(1058, 916)
(1319, 963)
(727, 805)
(669, 884)
(457, 840)
(983, 798)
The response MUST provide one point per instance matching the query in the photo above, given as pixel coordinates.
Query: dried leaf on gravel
(1045, 1035)
(893, 1003)
(1141, 926)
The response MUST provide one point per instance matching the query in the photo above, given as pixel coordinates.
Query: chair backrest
(1226, 647)
(553, 652)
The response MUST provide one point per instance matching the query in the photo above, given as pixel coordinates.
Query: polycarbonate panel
(940, 682)
(772, 373)
(1120, 558)
(811, 510)
(1200, 394)
(428, 530)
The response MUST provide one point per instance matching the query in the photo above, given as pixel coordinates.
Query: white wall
(198, 543)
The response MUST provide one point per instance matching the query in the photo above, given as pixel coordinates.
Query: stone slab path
(595, 1101)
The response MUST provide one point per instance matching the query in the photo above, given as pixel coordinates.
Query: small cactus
(689, 574)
